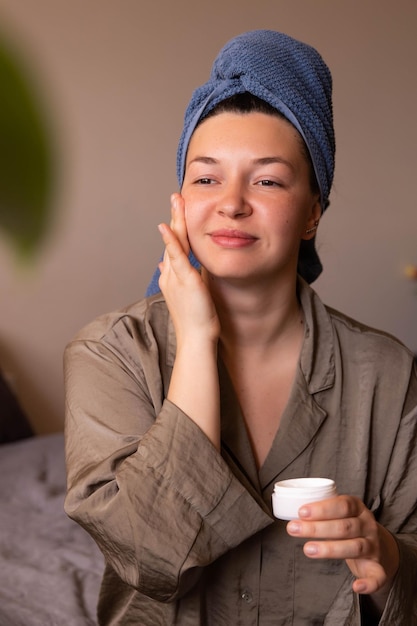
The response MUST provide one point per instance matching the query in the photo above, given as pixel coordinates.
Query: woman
(184, 409)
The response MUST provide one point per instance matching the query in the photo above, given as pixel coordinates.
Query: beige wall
(117, 76)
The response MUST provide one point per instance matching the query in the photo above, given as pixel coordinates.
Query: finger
(370, 574)
(178, 223)
(175, 261)
(173, 248)
(344, 528)
(366, 586)
(332, 508)
(357, 548)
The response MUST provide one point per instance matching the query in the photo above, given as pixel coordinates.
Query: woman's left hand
(344, 528)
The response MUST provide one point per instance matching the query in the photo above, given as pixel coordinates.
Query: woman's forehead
(260, 134)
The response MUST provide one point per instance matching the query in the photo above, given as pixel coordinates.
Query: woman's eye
(205, 181)
(266, 182)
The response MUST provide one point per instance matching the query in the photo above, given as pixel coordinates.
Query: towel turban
(290, 76)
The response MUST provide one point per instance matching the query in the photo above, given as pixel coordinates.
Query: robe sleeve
(395, 509)
(399, 514)
(147, 484)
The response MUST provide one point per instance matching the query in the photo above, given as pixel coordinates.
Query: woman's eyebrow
(204, 159)
(268, 160)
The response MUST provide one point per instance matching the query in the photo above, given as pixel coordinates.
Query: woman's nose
(233, 201)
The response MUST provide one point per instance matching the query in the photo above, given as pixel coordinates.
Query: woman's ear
(313, 220)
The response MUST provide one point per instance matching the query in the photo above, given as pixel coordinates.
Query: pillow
(14, 424)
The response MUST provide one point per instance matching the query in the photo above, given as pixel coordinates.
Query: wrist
(196, 344)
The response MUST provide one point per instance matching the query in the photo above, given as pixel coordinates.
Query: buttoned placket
(249, 586)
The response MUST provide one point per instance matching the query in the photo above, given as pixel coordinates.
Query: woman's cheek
(190, 215)
(188, 222)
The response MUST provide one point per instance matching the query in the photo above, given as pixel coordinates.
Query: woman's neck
(256, 317)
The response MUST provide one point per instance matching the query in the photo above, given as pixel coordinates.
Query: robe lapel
(300, 422)
(235, 439)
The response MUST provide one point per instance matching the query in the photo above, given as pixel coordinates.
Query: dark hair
(248, 103)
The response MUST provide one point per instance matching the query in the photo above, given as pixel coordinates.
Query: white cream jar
(289, 495)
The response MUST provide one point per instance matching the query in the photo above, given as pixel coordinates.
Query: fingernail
(294, 527)
(305, 511)
(311, 549)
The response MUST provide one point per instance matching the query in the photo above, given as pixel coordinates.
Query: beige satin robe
(187, 533)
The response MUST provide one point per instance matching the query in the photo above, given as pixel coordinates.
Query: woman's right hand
(197, 329)
(188, 299)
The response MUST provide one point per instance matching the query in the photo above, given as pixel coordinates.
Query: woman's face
(247, 194)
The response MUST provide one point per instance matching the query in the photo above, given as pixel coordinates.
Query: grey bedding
(50, 569)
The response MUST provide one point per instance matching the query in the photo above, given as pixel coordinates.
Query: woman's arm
(197, 329)
(151, 489)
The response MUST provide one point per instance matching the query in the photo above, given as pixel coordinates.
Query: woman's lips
(232, 238)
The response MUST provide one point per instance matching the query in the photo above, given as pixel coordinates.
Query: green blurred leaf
(26, 162)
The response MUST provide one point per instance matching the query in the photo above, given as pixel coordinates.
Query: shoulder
(372, 357)
(134, 335)
(139, 317)
(330, 325)
(337, 345)
(372, 342)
